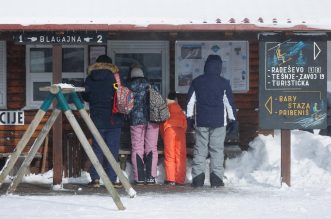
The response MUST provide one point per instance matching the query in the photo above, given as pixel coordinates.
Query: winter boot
(148, 163)
(94, 183)
(215, 181)
(141, 171)
(169, 183)
(151, 180)
(198, 181)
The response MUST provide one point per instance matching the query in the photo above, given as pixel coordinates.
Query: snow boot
(199, 180)
(151, 180)
(148, 164)
(141, 170)
(94, 183)
(215, 181)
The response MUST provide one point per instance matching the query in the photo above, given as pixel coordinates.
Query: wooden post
(286, 156)
(11, 160)
(45, 152)
(128, 188)
(86, 145)
(57, 128)
(88, 149)
(34, 149)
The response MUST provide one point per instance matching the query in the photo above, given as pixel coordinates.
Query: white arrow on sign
(33, 39)
(88, 39)
(317, 50)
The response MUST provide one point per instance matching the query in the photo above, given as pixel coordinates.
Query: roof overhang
(156, 27)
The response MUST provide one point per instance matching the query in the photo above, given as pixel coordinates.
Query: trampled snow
(252, 189)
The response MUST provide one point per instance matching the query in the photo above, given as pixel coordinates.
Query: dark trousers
(112, 139)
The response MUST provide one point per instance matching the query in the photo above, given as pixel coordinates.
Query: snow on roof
(143, 13)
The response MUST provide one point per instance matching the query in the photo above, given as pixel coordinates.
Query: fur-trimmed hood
(102, 66)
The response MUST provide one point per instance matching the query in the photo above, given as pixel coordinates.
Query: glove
(232, 126)
(190, 123)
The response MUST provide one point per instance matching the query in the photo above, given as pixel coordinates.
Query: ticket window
(153, 57)
(40, 67)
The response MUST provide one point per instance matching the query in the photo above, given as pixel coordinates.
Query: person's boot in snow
(141, 171)
(150, 180)
(199, 180)
(94, 183)
(215, 181)
(169, 183)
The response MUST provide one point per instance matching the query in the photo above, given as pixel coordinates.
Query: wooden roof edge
(158, 27)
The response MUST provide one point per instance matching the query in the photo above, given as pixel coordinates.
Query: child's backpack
(158, 108)
(123, 98)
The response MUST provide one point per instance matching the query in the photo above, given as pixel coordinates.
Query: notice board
(191, 56)
(293, 81)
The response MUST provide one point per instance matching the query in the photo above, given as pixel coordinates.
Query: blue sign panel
(293, 81)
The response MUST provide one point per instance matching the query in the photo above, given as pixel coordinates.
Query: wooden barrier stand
(57, 92)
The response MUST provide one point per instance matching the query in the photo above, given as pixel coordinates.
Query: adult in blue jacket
(99, 93)
(211, 105)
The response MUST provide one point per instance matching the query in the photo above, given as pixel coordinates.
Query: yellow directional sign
(268, 105)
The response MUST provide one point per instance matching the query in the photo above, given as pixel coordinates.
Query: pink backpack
(123, 98)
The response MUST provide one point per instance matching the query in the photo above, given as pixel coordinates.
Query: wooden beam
(93, 158)
(20, 146)
(131, 192)
(57, 127)
(286, 156)
(33, 151)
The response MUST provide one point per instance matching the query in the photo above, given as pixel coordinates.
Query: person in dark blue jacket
(99, 93)
(211, 105)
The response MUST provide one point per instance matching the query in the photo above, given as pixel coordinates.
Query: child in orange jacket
(173, 131)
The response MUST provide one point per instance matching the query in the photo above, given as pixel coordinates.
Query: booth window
(3, 84)
(151, 56)
(40, 65)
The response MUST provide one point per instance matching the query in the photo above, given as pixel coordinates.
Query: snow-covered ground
(252, 190)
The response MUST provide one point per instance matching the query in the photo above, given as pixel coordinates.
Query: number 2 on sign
(99, 39)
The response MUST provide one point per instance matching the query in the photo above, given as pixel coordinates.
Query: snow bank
(259, 166)
(310, 162)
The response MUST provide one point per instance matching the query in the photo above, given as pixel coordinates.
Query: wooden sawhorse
(55, 91)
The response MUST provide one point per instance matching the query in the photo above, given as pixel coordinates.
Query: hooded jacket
(99, 92)
(212, 96)
(139, 113)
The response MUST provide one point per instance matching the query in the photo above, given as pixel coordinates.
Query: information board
(191, 57)
(293, 81)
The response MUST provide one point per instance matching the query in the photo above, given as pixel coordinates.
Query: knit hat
(172, 96)
(137, 73)
(104, 59)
